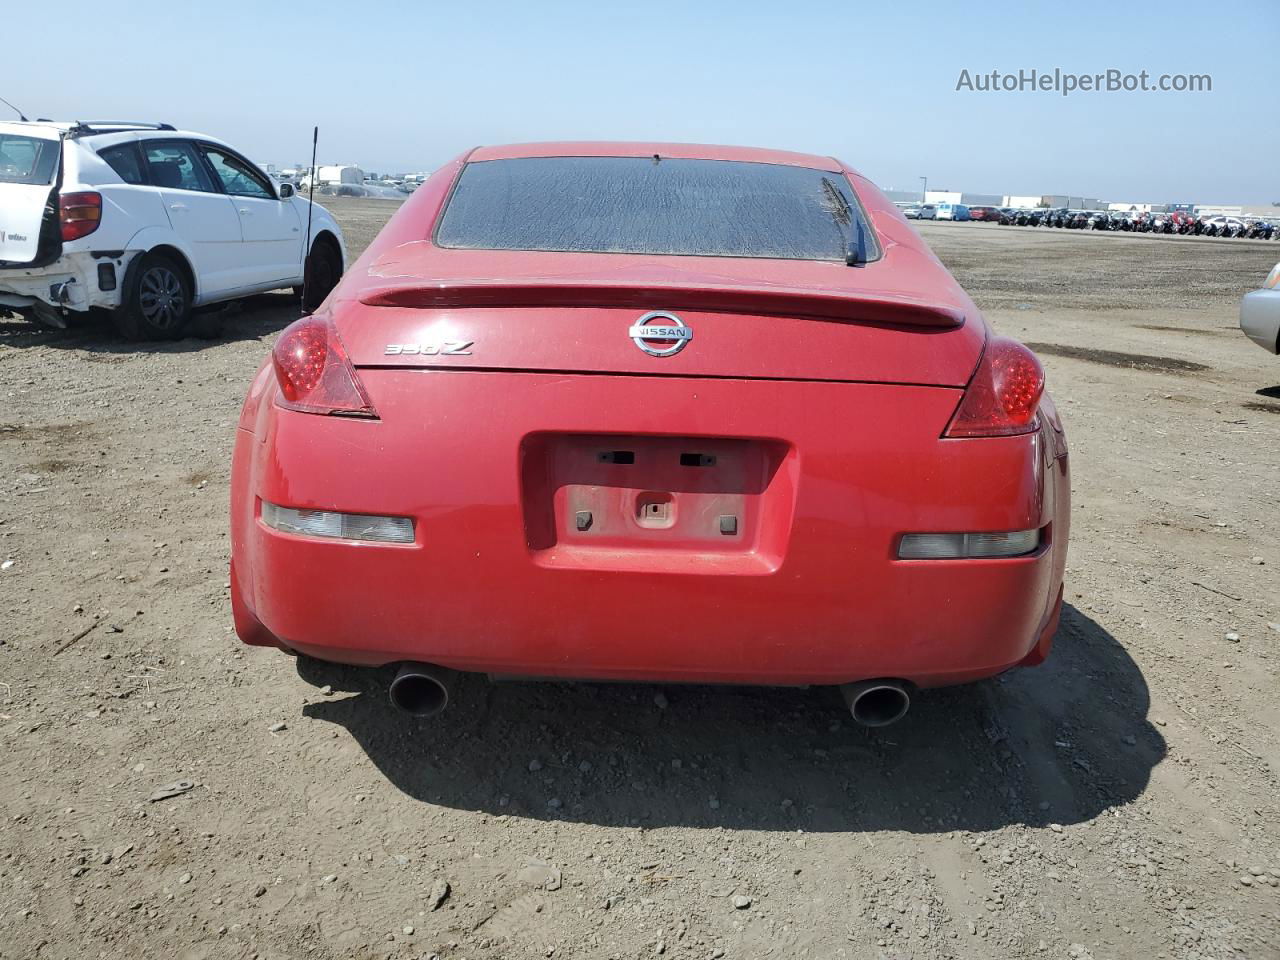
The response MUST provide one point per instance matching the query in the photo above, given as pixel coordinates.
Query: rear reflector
(337, 526)
(956, 546)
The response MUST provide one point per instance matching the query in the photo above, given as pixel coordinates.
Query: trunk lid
(899, 320)
(30, 167)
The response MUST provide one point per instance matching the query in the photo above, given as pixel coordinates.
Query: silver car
(1260, 313)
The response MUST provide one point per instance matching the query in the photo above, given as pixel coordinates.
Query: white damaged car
(149, 223)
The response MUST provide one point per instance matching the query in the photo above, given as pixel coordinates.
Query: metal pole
(924, 190)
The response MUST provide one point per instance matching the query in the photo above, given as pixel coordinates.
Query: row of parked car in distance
(936, 211)
(1178, 221)
(949, 211)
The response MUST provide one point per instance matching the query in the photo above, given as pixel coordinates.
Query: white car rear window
(26, 159)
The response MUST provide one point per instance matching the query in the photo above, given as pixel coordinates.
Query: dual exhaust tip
(424, 690)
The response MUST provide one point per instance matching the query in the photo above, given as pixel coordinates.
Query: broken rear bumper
(75, 281)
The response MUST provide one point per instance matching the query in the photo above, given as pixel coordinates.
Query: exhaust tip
(420, 689)
(877, 703)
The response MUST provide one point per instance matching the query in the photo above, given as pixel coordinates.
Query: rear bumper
(71, 282)
(1260, 318)
(496, 582)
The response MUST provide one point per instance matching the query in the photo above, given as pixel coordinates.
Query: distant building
(1010, 200)
(1237, 210)
(943, 196)
(982, 200)
(1072, 203)
(1137, 207)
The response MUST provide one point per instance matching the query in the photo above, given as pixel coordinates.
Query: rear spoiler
(868, 306)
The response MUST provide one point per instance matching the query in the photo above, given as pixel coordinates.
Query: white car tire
(157, 299)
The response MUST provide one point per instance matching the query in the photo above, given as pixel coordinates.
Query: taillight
(1004, 395)
(79, 214)
(314, 373)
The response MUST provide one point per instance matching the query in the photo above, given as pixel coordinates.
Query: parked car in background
(927, 212)
(1224, 226)
(911, 211)
(1261, 229)
(990, 214)
(574, 374)
(149, 223)
(1260, 313)
(952, 211)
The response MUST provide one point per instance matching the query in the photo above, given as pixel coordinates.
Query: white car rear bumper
(71, 282)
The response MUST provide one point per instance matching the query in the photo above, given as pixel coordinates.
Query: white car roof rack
(84, 128)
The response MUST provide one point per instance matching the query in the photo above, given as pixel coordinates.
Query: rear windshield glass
(26, 159)
(712, 208)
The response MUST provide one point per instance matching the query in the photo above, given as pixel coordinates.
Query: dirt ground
(1118, 802)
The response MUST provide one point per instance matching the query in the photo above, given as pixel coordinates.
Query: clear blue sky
(413, 84)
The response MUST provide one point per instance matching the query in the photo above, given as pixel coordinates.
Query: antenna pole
(311, 202)
(21, 115)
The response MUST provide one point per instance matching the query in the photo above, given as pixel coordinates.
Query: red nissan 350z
(651, 412)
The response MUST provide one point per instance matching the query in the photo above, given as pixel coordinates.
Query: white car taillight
(79, 214)
(337, 526)
(956, 546)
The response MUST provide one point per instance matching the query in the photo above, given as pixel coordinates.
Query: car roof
(32, 128)
(110, 138)
(678, 151)
(102, 134)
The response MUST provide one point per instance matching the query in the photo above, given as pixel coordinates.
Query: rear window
(25, 159)
(711, 208)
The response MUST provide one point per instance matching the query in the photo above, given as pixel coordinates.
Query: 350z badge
(446, 348)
